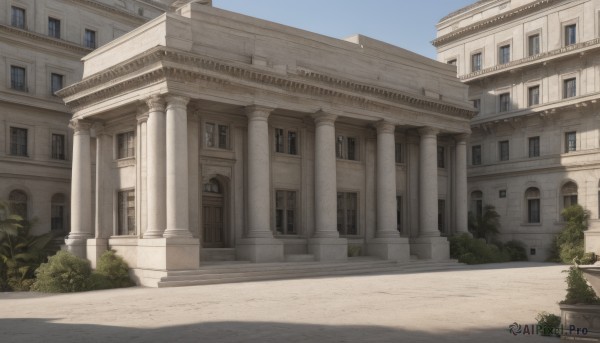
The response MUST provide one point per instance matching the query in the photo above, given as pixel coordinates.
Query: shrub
(64, 273)
(516, 250)
(569, 242)
(578, 291)
(587, 258)
(114, 270)
(476, 251)
(486, 225)
(549, 323)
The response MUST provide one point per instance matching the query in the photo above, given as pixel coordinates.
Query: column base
(260, 250)
(77, 246)
(396, 248)
(95, 248)
(431, 248)
(329, 249)
(168, 253)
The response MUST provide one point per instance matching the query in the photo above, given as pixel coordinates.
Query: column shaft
(461, 184)
(156, 178)
(428, 183)
(104, 210)
(81, 184)
(177, 168)
(386, 181)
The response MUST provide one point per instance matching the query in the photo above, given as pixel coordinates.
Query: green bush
(587, 258)
(114, 270)
(549, 323)
(486, 225)
(578, 291)
(516, 250)
(64, 273)
(476, 251)
(569, 242)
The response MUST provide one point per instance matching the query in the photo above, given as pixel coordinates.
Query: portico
(267, 155)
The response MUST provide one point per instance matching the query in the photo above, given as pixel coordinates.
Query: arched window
(212, 186)
(532, 198)
(477, 203)
(18, 203)
(569, 194)
(58, 212)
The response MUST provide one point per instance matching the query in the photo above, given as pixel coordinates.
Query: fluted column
(141, 191)
(259, 222)
(461, 184)
(81, 189)
(325, 177)
(177, 168)
(386, 181)
(156, 155)
(104, 210)
(428, 183)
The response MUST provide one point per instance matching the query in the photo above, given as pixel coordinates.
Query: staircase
(240, 271)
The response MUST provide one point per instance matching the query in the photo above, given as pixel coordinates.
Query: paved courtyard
(472, 305)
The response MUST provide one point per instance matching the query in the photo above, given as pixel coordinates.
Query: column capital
(80, 125)
(177, 101)
(155, 103)
(384, 126)
(428, 131)
(461, 138)
(324, 118)
(257, 112)
(99, 129)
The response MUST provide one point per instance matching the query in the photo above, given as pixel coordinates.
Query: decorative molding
(324, 118)
(79, 125)
(256, 112)
(502, 18)
(155, 104)
(465, 9)
(92, 89)
(112, 10)
(59, 43)
(384, 126)
(177, 101)
(428, 131)
(125, 162)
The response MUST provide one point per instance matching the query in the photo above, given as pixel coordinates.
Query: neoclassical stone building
(206, 134)
(532, 67)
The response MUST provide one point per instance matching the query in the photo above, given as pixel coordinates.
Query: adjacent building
(205, 134)
(533, 71)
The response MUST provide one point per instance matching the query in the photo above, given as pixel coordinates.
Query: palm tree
(486, 225)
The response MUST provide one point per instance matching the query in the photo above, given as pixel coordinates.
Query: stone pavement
(472, 305)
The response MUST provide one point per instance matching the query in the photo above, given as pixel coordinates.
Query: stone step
(300, 258)
(299, 270)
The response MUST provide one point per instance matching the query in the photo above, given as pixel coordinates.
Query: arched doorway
(213, 214)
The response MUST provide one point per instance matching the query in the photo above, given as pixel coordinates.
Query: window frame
(54, 27)
(285, 209)
(441, 157)
(122, 217)
(480, 65)
(504, 53)
(342, 147)
(501, 156)
(85, 38)
(537, 87)
(62, 82)
(129, 151)
(343, 229)
(23, 25)
(531, 217)
(16, 151)
(13, 68)
(529, 49)
(565, 88)
(60, 156)
(501, 96)
(566, 37)
(476, 159)
(64, 213)
(533, 150)
(216, 135)
(567, 141)
(285, 145)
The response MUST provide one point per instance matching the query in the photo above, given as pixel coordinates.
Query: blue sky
(409, 24)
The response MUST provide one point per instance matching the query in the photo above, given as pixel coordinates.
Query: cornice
(465, 9)
(175, 65)
(112, 10)
(502, 18)
(59, 43)
(532, 60)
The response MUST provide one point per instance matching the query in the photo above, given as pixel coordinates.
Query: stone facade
(217, 135)
(532, 67)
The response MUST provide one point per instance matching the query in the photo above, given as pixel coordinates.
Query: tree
(486, 225)
(569, 242)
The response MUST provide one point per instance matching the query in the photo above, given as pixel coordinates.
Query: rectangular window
(399, 213)
(504, 54)
(504, 99)
(285, 212)
(570, 34)
(89, 39)
(533, 95)
(18, 79)
(292, 142)
(58, 147)
(503, 150)
(347, 213)
(533, 45)
(442, 215)
(345, 148)
(279, 140)
(477, 104)
(216, 135)
(569, 88)
(534, 146)
(533, 211)
(286, 141)
(126, 213)
(18, 141)
(17, 17)
(57, 215)
(398, 153)
(441, 157)
(56, 83)
(53, 27)
(570, 141)
(476, 62)
(126, 145)
(476, 155)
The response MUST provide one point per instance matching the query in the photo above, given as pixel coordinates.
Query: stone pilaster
(326, 243)
(81, 189)
(387, 243)
(259, 244)
(461, 184)
(156, 156)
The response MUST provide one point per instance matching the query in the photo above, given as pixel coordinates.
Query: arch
(58, 212)
(532, 201)
(568, 193)
(18, 200)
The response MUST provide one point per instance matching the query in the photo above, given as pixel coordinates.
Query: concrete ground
(472, 305)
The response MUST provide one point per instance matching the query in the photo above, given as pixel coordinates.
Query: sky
(409, 24)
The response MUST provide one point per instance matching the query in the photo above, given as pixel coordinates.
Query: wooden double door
(213, 217)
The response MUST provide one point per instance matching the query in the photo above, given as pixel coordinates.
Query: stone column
(259, 244)
(156, 156)
(193, 174)
(177, 168)
(326, 243)
(429, 244)
(387, 243)
(461, 184)
(81, 189)
(141, 164)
